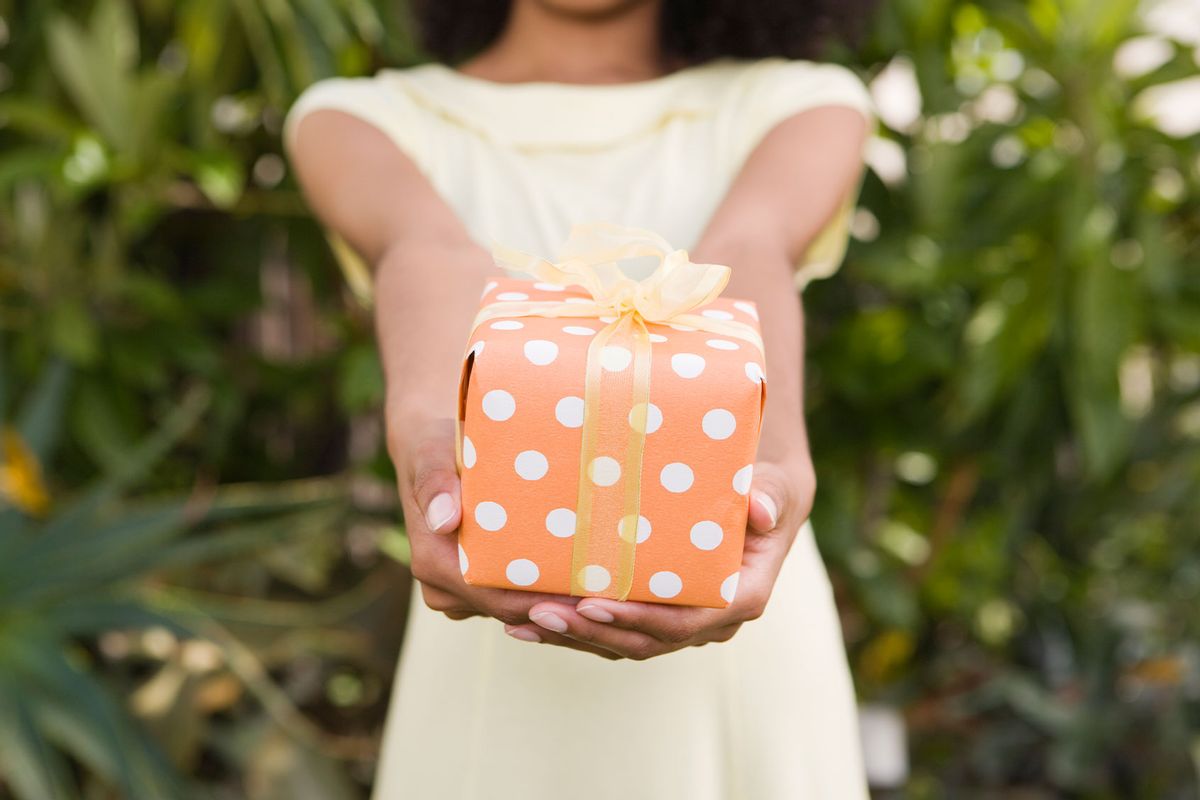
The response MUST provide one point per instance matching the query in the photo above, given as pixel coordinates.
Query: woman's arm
(428, 278)
(791, 186)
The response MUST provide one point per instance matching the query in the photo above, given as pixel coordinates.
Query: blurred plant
(149, 232)
(79, 572)
(149, 238)
(1005, 393)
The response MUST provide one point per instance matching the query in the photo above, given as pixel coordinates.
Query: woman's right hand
(423, 452)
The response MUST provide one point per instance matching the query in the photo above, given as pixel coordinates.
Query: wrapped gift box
(523, 399)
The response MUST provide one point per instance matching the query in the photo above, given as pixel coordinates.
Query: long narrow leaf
(181, 420)
(41, 416)
(28, 763)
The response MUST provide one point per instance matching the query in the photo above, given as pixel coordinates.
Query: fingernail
(441, 510)
(522, 634)
(551, 622)
(595, 613)
(768, 505)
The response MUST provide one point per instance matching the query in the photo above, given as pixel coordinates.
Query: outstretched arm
(428, 277)
(792, 185)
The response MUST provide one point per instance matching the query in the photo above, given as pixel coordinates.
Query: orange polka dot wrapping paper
(657, 482)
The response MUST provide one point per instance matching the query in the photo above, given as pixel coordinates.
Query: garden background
(201, 560)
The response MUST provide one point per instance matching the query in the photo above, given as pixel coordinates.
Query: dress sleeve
(379, 102)
(781, 89)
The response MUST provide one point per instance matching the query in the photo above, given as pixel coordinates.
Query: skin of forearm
(762, 273)
(426, 296)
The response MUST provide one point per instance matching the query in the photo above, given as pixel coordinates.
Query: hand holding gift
(779, 500)
(610, 425)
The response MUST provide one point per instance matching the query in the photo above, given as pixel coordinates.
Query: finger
(762, 559)
(768, 497)
(533, 634)
(563, 619)
(507, 605)
(433, 472)
(453, 606)
(672, 625)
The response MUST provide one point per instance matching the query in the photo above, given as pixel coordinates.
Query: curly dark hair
(693, 31)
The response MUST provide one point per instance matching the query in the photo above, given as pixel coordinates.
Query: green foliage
(1004, 389)
(152, 248)
(79, 573)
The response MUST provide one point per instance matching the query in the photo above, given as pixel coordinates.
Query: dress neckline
(544, 116)
(668, 79)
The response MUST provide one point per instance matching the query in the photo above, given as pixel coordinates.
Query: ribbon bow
(591, 259)
(606, 513)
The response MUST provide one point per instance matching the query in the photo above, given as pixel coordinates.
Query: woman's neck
(543, 43)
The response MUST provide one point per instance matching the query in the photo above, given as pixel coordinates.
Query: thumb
(435, 485)
(769, 497)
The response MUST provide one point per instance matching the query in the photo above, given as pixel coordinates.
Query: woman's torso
(522, 163)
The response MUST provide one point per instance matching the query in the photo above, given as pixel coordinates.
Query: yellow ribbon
(616, 402)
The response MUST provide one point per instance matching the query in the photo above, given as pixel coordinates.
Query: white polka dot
(716, 313)
(507, 325)
(707, 535)
(645, 417)
(512, 296)
(499, 405)
(687, 365)
(626, 528)
(722, 344)
(754, 372)
(595, 578)
(522, 572)
(578, 330)
(746, 308)
(569, 412)
(665, 584)
(741, 479)
(490, 285)
(541, 352)
(468, 452)
(548, 287)
(531, 465)
(581, 301)
(719, 424)
(608, 320)
(684, 328)
(561, 523)
(604, 471)
(676, 478)
(615, 359)
(729, 588)
(657, 338)
(476, 349)
(463, 562)
(490, 516)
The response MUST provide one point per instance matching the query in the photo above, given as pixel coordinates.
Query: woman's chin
(597, 9)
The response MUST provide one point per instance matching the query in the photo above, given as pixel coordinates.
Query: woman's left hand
(780, 500)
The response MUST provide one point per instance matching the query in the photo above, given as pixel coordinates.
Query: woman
(660, 114)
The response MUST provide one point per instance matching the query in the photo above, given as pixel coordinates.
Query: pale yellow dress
(769, 715)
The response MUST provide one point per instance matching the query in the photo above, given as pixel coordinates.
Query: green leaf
(360, 380)
(101, 92)
(140, 768)
(72, 331)
(28, 763)
(114, 24)
(181, 420)
(220, 176)
(40, 421)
